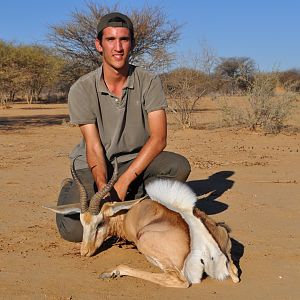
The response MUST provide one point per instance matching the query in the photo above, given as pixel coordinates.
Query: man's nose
(118, 45)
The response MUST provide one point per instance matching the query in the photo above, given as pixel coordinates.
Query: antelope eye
(100, 224)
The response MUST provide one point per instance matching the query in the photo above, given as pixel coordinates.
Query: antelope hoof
(233, 271)
(235, 278)
(111, 274)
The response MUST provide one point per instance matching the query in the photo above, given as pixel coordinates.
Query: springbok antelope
(167, 228)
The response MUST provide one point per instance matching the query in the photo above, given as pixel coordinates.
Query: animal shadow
(107, 244)
(237, 251)
(215, 185)
(115, 241)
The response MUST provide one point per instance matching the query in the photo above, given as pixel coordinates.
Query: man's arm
(95, 154)
(155, 144)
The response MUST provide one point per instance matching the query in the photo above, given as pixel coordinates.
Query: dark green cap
(114, 19)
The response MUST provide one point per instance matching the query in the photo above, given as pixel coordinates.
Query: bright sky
(267, 31)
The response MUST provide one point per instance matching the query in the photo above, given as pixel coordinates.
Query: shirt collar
(130, 79)
(102, 87)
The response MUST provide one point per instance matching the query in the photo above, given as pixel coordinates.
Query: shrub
(290, 80)
(236, 74)
(263, 109)
(184, 87)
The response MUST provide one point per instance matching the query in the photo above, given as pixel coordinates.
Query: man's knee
(182, 166)
(184, 169)
(169, 165)
(69, 227)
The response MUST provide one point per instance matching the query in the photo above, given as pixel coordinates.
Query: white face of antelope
(224, 266)
(97, 227)
(94, 232)
(92, 219)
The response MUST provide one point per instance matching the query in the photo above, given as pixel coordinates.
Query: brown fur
(87, 217)
(161, 235)
(148, 213)
(219, 231)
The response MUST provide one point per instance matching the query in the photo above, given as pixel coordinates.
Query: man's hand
(117, 193)
(121, 188)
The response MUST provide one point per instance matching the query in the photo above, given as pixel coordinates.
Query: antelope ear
(68, 209)
(116, 207)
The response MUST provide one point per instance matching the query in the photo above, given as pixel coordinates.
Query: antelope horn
(82, 192)
(94, 208)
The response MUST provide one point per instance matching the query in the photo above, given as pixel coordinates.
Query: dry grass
(263, 108)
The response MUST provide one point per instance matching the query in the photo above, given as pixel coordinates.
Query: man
(120, 109)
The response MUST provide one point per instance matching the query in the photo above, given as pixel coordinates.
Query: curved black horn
(94, 208)
(82, 191)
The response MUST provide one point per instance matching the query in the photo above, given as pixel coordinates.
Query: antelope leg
(170, 278)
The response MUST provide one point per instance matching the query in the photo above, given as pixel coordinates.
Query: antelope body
(172, 234)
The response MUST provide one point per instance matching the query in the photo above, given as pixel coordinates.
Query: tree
(184, 87)
(290, 80)
(26, 71)
(236, 72)
(41, 68)
(74, 40)
(208, 58)
(11, 70)
(70, 72)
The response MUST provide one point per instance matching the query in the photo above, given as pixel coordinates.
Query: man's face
(115, 47)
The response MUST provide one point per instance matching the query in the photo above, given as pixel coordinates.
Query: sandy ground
(249, 180)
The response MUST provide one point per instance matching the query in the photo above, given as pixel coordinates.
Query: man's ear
(98, 46)
(68, 209)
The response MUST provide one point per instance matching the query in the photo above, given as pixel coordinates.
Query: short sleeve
(154, 98)
(80, 106)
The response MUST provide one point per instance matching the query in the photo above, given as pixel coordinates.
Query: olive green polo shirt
(122, 123)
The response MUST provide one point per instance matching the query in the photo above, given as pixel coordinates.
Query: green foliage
(26, 70)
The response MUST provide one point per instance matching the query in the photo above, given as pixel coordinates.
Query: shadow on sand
(215, 185)
(21, 122)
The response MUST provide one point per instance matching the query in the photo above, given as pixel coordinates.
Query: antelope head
(94, 214)
(220, 232)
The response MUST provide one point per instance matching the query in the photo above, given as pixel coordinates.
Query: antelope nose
(84, 251)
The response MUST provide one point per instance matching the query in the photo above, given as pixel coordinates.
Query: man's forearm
(95, 154)
(97, 165)
(152, 148)
(149, 151)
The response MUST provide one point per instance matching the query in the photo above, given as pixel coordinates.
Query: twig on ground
(276, 181)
